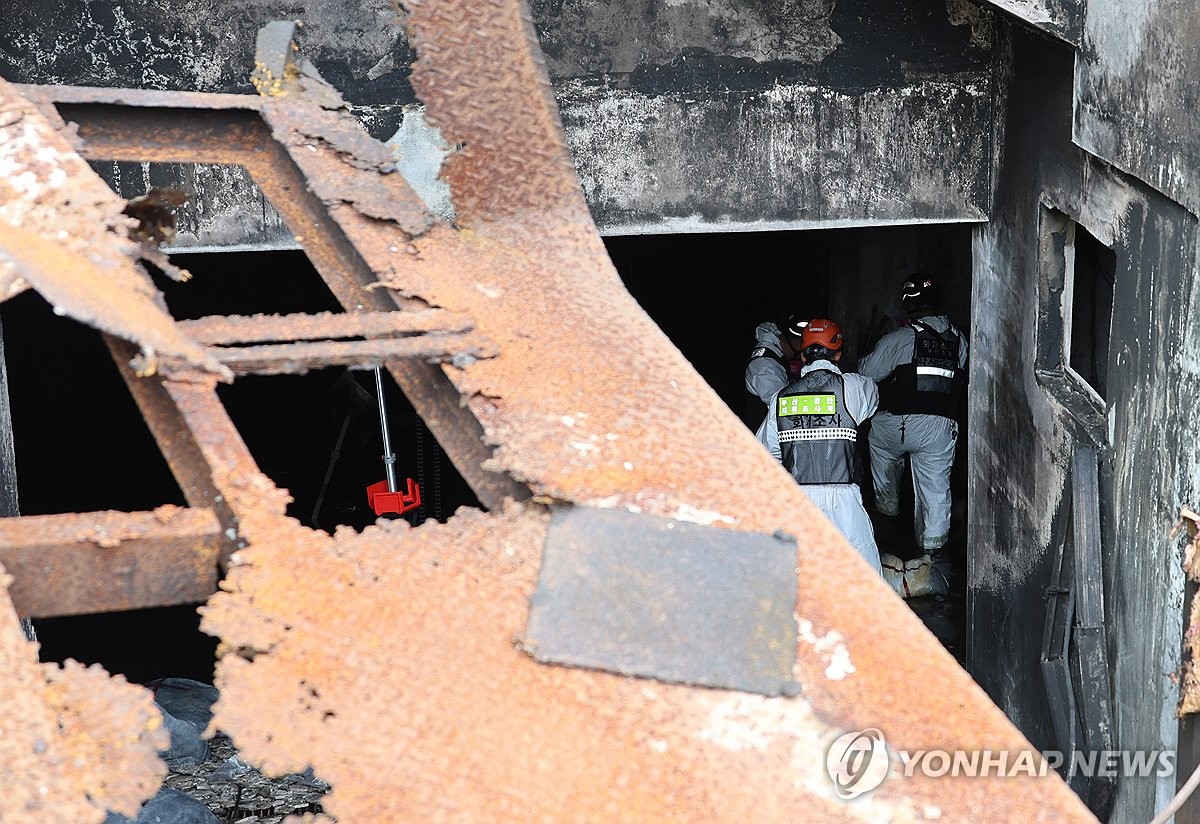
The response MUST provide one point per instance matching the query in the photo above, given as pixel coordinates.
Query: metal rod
(389, 457)
(333, 459)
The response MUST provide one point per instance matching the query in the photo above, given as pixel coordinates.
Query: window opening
(1092, 268)
(1077, 279)
(316, 435)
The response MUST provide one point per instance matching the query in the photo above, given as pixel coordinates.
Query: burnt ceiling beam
(89, 562)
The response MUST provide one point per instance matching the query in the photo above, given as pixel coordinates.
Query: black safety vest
(817, 434)
(929, 384)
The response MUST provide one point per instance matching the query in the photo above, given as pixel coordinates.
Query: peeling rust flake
(1189, 689)
(74, 742)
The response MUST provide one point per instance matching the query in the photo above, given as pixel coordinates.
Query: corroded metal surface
(50, 96)
(188, 460)
(123, 124)
(73, 742)
(436, 336)
(63, 234)
(1189, 692)
(587, 402)
(407, 659)
(109, 561)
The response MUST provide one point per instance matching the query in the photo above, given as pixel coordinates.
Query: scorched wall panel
(682, 116)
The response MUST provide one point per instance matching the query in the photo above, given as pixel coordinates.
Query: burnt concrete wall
(1027, 419)
(1137, 100)
(688, 115)
(683, 115)
(202, 45)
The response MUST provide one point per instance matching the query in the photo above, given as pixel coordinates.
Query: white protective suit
(927, 440)
(766, 373)
(841, 503)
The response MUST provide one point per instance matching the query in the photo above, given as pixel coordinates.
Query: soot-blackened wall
(1028, 415)
(682, 115)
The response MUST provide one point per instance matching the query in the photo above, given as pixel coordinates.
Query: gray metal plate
(649, 596)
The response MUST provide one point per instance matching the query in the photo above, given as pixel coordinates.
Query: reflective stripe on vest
(935, 370)
(832, 434)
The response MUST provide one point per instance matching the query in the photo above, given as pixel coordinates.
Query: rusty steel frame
(189, 127)
(231, 329)
(299, 358)
(109, 561)
(313, 341)
(168, 127)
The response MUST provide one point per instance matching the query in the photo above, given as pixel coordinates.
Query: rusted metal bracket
(108, 561)
(658, 598)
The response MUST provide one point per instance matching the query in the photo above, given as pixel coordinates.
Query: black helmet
(920, 291)
(793, 324)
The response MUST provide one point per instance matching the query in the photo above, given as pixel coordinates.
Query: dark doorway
(1092, 277)
(708, 292)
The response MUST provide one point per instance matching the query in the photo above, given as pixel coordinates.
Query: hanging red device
(385, 496)
(382, 499)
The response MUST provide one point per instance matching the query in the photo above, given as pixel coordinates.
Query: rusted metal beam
(88, 562)
(140, 98)
(322, 326)
(178, 443)
(205, 452)
(167, 135)
(299, 358)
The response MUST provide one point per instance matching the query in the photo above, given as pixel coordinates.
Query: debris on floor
(237, 793)
(208, 783)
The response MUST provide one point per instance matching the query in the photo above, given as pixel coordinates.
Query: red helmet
(822, 332)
